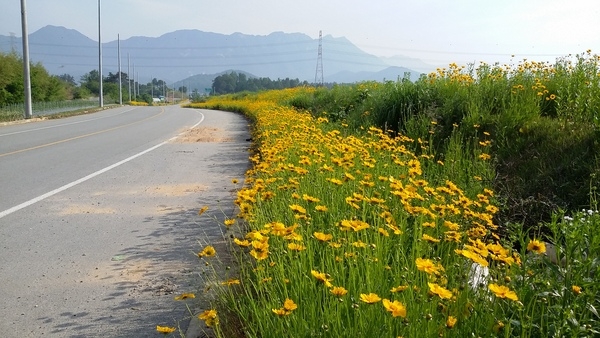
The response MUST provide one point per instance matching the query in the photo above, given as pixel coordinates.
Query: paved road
(99, 217)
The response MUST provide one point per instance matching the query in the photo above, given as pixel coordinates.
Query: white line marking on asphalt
(66, 124)
(88, 177)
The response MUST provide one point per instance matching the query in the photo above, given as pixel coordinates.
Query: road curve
(99, 217)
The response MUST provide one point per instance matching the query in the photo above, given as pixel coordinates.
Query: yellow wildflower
(209, 317)
(298, 208)
(322, 236)
(231, 282)
(296, 247)
(185, 296)
(396, 308)
(339, 291)
(259, 255)
(370, 298)
(536, 246)
(427, 265)
(321, 276)
(451, 321)
(244, 243)
(208, 251)
(399, 288)
(440, 291)
(288, 307)
(321, 208)
(165, 329)
(203, 210)
(428, 238)
(309, 198)
(502, 291)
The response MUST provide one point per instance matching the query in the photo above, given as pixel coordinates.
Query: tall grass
(375, 209)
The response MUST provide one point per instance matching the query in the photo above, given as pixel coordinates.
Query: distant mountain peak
(180, 54)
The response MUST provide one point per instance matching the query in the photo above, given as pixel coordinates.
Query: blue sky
(436, 31)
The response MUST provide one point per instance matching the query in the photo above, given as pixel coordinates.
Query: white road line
(66, 124)
(88, 177)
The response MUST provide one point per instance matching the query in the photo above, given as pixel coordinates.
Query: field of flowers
(352, 224)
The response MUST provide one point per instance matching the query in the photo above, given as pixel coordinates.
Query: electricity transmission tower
(13, 46)
(319, 72)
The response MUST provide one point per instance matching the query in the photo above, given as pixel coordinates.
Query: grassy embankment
(371, 209)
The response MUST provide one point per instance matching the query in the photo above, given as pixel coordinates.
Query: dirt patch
(161, 190)
(202, 134)
(78, 209)
(175, 189)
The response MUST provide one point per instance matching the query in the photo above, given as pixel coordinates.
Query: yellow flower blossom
(338, 291)
(428, 238)
(165, 329)
(396, 308)
(322, 236)
(451, 321)
(439, 291)
(536, 246)
(208, 251)
(399, 288)
(296, 247)
(309, 198)
(428, 266)
(370, 298)
(288, 307)
(322, 277)
(185, 296)
(244, 243)
(502, 291)
(209, 317)
(355, 225)
(321, 208)
(298, 208)
(231, 282)
(202, 210)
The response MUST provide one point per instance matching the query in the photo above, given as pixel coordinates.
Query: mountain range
(181, 55)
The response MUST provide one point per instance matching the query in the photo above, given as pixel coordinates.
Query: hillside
(178, 55)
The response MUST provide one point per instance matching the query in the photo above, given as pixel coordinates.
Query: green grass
(466, 167)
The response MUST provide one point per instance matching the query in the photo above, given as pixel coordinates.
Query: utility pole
(119, 55)
(134, 96)
(120, 81)
(129, 77)
(319, 72)
(101, 98)
(26, 75)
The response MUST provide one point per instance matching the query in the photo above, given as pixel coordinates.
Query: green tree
(44, 87)
(91, 82)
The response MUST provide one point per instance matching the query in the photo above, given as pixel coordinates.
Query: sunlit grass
(350, 230)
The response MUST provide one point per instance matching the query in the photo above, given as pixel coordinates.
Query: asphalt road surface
(99, 224)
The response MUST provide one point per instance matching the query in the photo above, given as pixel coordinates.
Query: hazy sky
(436, 31)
